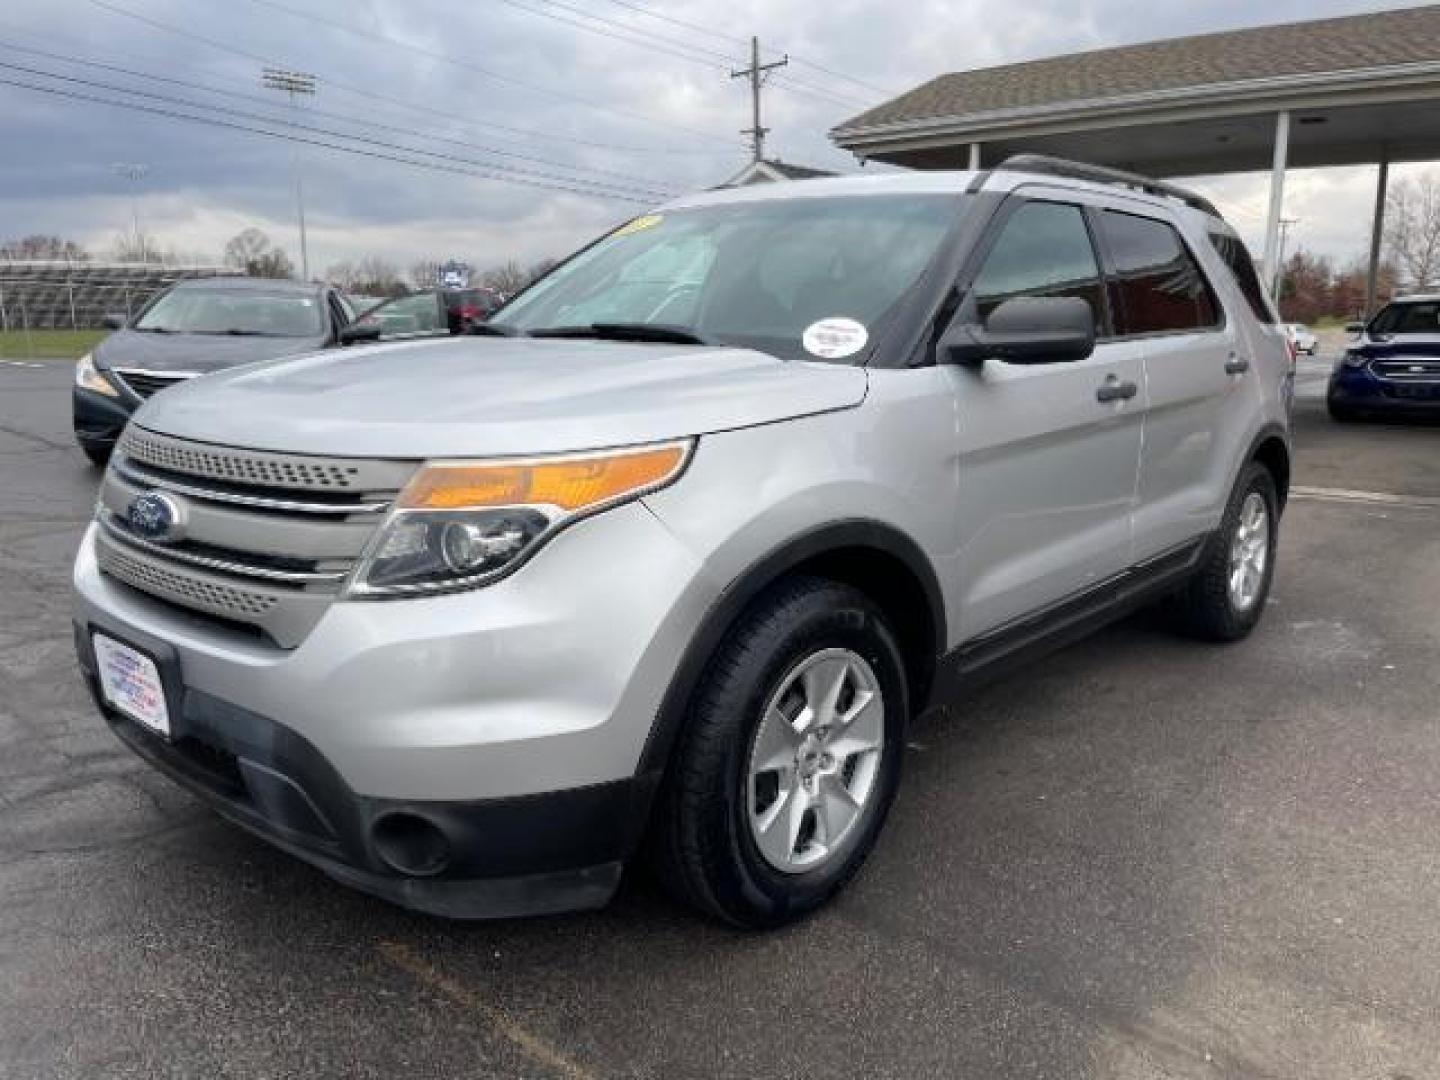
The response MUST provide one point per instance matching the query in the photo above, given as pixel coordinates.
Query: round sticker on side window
(834, 338)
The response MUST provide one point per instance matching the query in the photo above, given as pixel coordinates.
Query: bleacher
(52, 295)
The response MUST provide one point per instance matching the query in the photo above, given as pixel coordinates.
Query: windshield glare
(753, 274)
(1407, 319)
(222, 311)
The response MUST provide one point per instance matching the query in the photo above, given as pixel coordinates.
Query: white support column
(1377, 235)
(974, 165)
(1277, 198)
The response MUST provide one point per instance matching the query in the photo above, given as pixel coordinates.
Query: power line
(643, 10)
(342, 117)
(667, 45)
(363, 92)
(445, 58)
(479, 169)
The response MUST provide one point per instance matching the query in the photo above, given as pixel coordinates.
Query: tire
(1208, 607)
(98, 453)
(707, 835)
(1340, 414)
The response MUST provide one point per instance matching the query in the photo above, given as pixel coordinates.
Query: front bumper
(511, 719)
(99, 419)
(1361, 390)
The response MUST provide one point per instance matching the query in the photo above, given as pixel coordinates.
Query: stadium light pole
(134, 172)
(293, 84)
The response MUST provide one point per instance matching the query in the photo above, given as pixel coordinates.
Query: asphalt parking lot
(1141, 858)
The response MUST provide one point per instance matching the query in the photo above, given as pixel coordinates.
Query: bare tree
(424, 273)
(252, 252)
(378, 276)
(135, 248)
(506, 280)
(39, 246)
(1412, 228)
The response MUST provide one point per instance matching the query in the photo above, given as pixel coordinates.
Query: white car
(1303, 338)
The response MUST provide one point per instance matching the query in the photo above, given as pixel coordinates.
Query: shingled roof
(1322, 47)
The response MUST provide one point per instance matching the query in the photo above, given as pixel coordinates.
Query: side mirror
(1026, 330)
(356, 332)
(113, 321)
(1355, 328)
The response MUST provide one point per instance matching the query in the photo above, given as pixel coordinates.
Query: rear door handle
(1115, 390)
(1236, 365)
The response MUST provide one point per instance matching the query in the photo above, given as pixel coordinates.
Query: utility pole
(756, 73)
(134, 172)
(1285, 224)
(293, 83)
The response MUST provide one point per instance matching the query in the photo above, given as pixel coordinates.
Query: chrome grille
(148, 383)
(256, 467)
(268, 538)
(187, 589)
(1412, 369)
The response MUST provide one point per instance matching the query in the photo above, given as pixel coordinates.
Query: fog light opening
(409, 844)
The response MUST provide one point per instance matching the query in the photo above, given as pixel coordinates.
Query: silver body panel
(1019, 487)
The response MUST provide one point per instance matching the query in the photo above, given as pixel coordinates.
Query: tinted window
(417, 313)
(1158, 287)
(1043, 250)
(1237, 258)
(1407, 319)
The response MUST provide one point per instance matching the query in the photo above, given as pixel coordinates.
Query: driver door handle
(1237, 365)
(1112, 389)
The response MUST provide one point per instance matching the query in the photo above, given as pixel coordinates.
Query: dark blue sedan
(1393, 367)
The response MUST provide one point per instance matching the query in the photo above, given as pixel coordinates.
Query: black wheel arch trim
(1271, 432)
(760, 575)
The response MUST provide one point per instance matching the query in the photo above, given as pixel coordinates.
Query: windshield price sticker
(834, 338)
(640, 224)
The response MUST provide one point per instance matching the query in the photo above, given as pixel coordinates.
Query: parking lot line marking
(1372, 498)
(20, 363)
(500, 1021)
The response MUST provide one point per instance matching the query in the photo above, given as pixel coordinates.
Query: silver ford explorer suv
(667, 561)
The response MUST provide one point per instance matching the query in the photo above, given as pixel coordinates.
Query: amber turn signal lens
(570, 483)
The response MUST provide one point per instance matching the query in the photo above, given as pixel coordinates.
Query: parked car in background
(464, 621)
(1393, 366)
(430, 313)
(1306, 343)
(190, 329)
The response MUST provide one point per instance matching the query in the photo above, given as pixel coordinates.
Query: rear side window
(1157, 287)
(1044, 249)
(1237, 257)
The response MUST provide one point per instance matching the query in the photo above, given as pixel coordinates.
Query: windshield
(234, 311)
(753, 274)
(1407, 319)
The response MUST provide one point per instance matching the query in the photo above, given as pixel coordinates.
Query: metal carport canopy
(1356, 90)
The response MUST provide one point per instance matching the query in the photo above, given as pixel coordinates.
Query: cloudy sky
(578, 112)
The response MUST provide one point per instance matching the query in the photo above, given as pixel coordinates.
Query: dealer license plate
(131, 682)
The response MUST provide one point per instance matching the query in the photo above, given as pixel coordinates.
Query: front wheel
(789, 760)
(1226, 597)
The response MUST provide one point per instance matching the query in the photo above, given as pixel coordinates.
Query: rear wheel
(789, 760)
(1226, 597)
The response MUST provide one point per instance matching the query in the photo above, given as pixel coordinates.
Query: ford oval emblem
(156, 517)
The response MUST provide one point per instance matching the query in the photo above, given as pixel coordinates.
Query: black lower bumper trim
(524, 855)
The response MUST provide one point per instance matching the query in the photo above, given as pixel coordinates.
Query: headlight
(460, 524)
(1353, 358)
(88, 377)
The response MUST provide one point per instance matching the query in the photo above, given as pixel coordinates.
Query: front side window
(234, 311)
(1044, 249)
(1157, 286)
(418, 313)
(754, 274)
(1412, 318)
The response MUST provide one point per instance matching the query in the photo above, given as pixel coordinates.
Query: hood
(479, 396)
(193, 352)
(1399, 345)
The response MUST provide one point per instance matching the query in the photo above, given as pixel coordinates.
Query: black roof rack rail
(1103, 174)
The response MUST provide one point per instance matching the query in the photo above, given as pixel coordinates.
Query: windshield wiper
(491, 330)
(625, 331)
(154, 330)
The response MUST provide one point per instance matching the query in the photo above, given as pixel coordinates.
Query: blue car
(1393, 367)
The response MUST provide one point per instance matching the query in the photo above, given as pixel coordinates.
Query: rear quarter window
(1236, 256)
